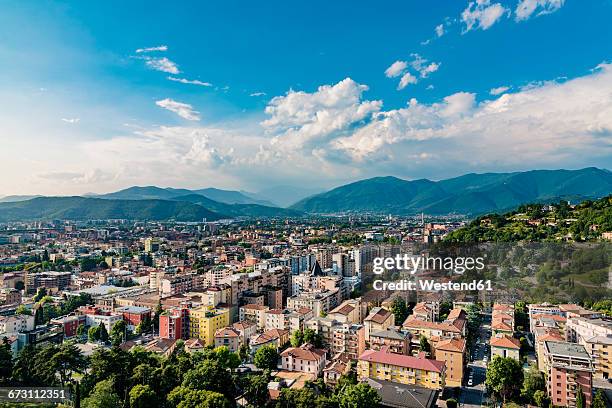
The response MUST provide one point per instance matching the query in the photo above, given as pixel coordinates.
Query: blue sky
(230, 96)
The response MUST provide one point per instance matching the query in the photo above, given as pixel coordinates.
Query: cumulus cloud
(184, 110)
(396, 69)
(482, 14)
(440, 30)
(549, 123)
(298, 118)
(71, 120)
(162, 64)
(499, 90)
(189, 81)
(526, 8)
(406, 80)
(152, 49)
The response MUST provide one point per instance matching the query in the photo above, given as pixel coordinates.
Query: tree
(541, 399)
(143, 396)
(266, 357)
(103, 333)
(400, 310)
(580, 402)
(424, 344)
(19, 285)
(312, 337)
(67, 360)
(81, 330)
(23, 368)
(103, 396)
(22, 310)
(226, 358)
(243, 352)
(360, 395)
(599, 401)
(451, 403)
(257, 389)
(182, 397)
(297, 338)
(6, 362)
(158, 311)
(504, 377)
(41, 293)
(210, 375)
(534, 381)
(93, 334)
(118, 333)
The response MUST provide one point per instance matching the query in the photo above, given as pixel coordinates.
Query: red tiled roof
(401, 360)
(457, 345)
(304, 352)
(505, 342)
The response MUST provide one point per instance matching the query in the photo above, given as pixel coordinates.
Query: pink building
(305, 358)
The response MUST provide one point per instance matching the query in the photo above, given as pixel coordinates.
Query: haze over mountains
(470, 194)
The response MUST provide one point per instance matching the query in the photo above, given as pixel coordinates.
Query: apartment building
(349, 311)
(255, 314)
(453, 353)
(205, 321)
(306, 359)
(228, 337)
(378, 319)
(174, 323)
(569, 369)
(16, 324)
(384, 365)
(394, 340)
(317, 300)
(505, 346)
(134, 315)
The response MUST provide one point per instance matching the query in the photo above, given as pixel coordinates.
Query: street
(473, 395)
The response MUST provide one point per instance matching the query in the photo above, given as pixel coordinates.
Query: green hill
(536, 222)
(82, 208)
(469, 194)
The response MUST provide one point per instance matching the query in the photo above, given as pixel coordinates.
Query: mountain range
(471, 194)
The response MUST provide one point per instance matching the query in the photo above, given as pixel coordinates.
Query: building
(398, 368)
(306, 359)
(48, 280)
(229, 338)
(378, 319)
(204, 322)
(453, 353)
(246, 330)
(174, 323)
(94, 316)
(394, 395)
(569, 368)
(255, 314)
(320, 301)
(394, 340)
(16, 324)
(134, 315)
(151, 245)
(10, 296)
(69, 324)
(350, 311)
(600, 350)
(274, 337)
(505, 346)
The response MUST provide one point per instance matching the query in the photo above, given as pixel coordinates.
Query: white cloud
(396, 69)
(184, 110)
(189, 81)
(300, 118)
(482, 14)
(421, 65)
(551, 123)
(498, 90)
(440, 30)
(71, 120)
(526, 8)
(152, 49)
(162, 64)
(406, 80)
(258, 94)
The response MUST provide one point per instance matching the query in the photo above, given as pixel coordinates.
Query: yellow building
(205, 321)
(383, 365)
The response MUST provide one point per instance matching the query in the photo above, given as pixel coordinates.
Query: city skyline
(248, 96)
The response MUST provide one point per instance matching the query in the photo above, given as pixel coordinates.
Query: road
(474, 395)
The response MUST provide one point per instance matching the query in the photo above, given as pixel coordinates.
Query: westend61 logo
(414, 264)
